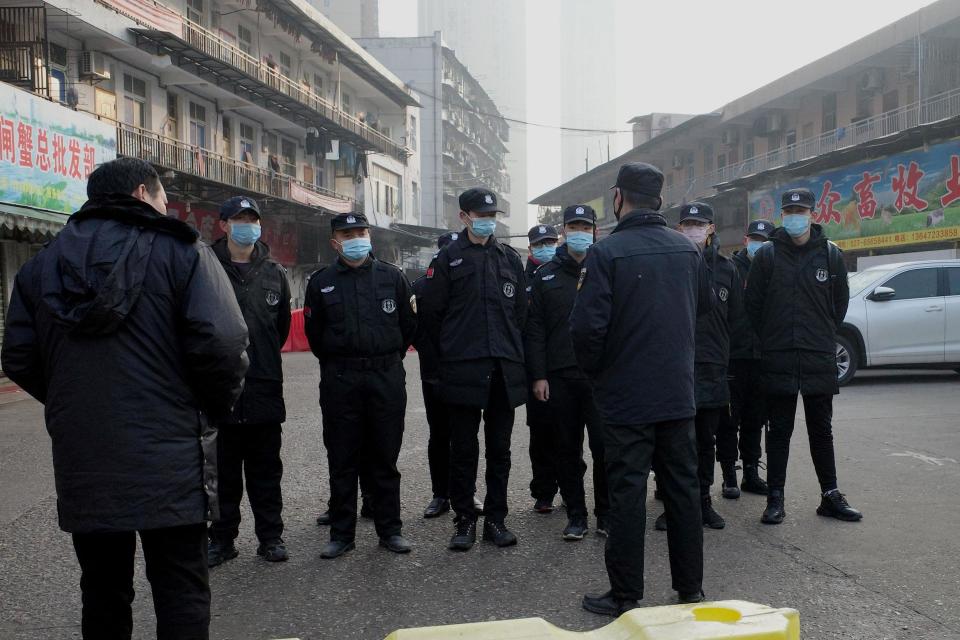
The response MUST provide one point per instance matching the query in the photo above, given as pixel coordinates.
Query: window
(829, 113)
(953, 281)
(195, 11)
(227, 133)
(345, 102)
(413, 136)
(807, 131)
(134, 101)
(415, 205)
(198, 125)
(246, 143)
(708, 157)
(288, 161)
(318, 84)
(748, 149)
(916, 283)
(245, 40)
(386, 187)
(285, 65)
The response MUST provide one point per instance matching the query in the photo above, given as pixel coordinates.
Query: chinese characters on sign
(28, 148)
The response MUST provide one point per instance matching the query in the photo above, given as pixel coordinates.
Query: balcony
(214, 59)
(203, 164)
(23, 52)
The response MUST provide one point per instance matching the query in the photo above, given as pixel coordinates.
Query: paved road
(895, 575)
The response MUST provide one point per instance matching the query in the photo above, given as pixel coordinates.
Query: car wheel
(847, 359)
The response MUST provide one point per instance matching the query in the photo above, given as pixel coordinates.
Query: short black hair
(640, 200)
(123, 176)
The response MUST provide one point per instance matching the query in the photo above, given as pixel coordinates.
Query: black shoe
(661, 522)
(464, 535)
(543, 506)
(477, 505)
(273, 551)
(576, 529)
(323, 520)
(774, 513)
(498, 534)
(711, 518)
(602, 527)
(220, 552)
(752, 482)
(834, 505)
(336, 548)
(608, 605)
(437, 507)
(730, 489)
(691, 598)
(366, 511)
(396, 543)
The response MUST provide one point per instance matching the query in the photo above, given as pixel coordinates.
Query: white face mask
(697, 234)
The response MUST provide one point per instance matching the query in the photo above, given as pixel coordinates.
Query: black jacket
(744, 341)
(422, 341)
(634, 320)
(713, 330)
(363, 312)
(797, 298)
(529, 269)
(264, 298)
(126, 328)
(549, 349)
(476, 310)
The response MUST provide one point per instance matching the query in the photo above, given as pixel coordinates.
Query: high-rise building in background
(357, 18)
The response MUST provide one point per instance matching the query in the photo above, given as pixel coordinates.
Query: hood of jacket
(817, 238)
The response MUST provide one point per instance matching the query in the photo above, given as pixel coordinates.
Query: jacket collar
(261, 251)
(638, 218)
(817, 238)
(129, 210)
(342, 266)
(463, 241)
(565, 261)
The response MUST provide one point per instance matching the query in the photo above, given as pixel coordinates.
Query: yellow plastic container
(729, 619)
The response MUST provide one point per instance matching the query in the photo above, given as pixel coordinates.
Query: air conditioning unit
(93, 66)
(677, 161)
(729, 137)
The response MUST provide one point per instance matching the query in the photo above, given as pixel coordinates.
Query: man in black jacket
(476, 311)
(747, 406)
(360, 318)
(250, 437)
(633, 326)
(126, 328)
(797, 296)
(558, 380)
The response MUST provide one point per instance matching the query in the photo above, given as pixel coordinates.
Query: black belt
(364, 364)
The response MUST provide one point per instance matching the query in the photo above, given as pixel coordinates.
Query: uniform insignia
(389, 305)
(273, 298)
(795, 197)
(583, 276)
(723, 294)
(542, 229)
(413, 303)
(529, 289)
(549, 277)
(761, 227)
(454, 236)
(456, 263)
(509, 289)
(580, 211)
(327, 289)
(351, 219)
(435, 255)
(821, 275)
(429, 273)
(488, 199)
(244, 204)
(694, 210)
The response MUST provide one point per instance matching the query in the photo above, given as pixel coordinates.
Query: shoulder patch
(549, 276)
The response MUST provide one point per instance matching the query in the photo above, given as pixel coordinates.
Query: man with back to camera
(126, 328)
(633, 326)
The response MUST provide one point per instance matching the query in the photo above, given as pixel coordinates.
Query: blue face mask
(356, 248)
(796, 224)
(483, 227)
(753, 246)
(544, 253)
(244, 233)
(579, 241)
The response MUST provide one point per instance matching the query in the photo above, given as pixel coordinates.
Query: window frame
(937, 285)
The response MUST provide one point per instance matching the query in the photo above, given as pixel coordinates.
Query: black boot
(774, 513)
(464, 534)
(834, 504)
(498, 534)
(711, 518)
(730, 489)
(752, 482)
(608, 605)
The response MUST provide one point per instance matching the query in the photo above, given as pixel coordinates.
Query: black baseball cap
(479, 200)
(344, 221)
(762, 228)
(238, 204)
(798, 198)
(640, 177)
(446, 239)
(699, 211)
(541, 232)
(582, 212)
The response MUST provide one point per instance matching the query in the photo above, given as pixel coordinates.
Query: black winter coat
(264, 298)
(713, 331)
(553, 290)
(744, 341)
(475, 313)
(126, 328)
(634, 319)
(797, 298)
(422, 342)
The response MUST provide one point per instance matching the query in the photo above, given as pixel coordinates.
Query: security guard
(476, 312)
(360, 318)
(633, 326)
(747, 407)
(558, 380)
(543, 449)
(712, 350)
(249, 440)
(796, 298)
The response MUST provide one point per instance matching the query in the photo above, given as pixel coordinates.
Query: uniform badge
(821, 275)
(509, 290)
(413, 303)
(694, 210)
(351, 220)
(549, 277)
(579, 211)
(456, 263)
(273, 298)
(389, 305)
(723, 294)
(795, 197)
(488, 199)
(454, 236)
(327, 289)
(583, 276)
(244, 204)
(429, 273)
(761, 227)
(542, 229)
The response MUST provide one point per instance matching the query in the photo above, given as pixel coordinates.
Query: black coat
(476, 310)
(634, 320)
(126, 328)
(713, 331)
(264, 298)
(744, 341)
(422, 342)
(796, 299)
(553, 290)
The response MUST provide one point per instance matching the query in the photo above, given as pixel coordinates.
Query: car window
(862, 279)
(953, 281)
(916, 283)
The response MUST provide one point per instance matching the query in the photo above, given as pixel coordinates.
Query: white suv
(901, 315)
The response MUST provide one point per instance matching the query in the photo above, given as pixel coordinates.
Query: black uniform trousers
(251, 450)
(571, 408)
(818, 411)
(176, 563)
(438, 446)
(706, 424)
(363, 413)
(543, 448)
(465, 452)
(630, 451)
(747, 415)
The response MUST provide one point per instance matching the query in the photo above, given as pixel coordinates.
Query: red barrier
(297, 340)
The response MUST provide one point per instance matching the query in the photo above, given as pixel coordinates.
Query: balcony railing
(939, 107)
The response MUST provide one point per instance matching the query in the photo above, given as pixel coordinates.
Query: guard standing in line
(633, 326)
(747, 406)
(712, 351)
(797, 296)
(559, 381)
(249, 441)
(360, 318)
(476, 310)
(543, 447)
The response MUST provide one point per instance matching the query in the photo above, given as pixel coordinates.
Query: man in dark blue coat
(633, 327)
